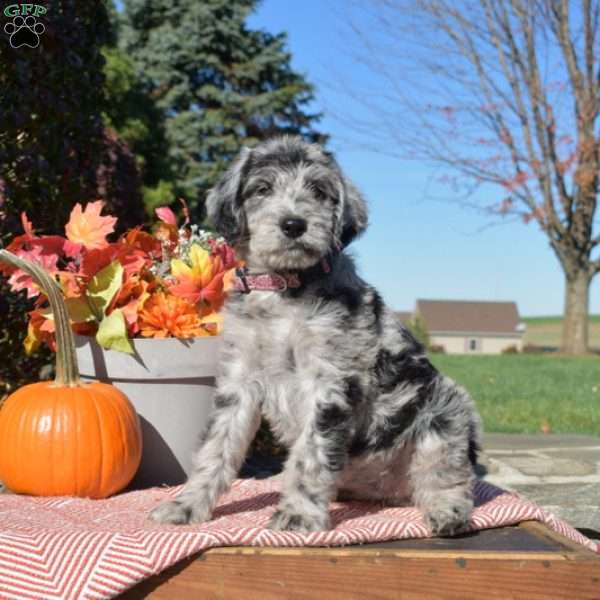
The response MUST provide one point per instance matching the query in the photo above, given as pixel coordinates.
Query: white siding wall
(489, 344)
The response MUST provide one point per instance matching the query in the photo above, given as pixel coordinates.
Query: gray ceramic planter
(171, 384)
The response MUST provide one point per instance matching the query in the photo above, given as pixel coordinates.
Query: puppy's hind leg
(442, 480)
(218, 460)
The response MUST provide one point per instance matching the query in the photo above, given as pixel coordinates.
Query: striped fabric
(62, 548)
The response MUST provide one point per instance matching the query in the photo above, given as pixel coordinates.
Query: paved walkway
(559, 472)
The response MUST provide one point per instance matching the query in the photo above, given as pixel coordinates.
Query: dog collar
(245, 283)
(264, 282)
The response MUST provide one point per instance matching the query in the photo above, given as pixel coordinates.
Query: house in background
(470, 327)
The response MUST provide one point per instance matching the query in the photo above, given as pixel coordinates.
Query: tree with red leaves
(500, 92)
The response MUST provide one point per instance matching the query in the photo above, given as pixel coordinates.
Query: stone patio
(559, 472)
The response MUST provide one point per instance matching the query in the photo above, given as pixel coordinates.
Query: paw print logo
(24, 31)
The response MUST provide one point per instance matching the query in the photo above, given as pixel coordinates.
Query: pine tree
(219, 84)
(132, 113)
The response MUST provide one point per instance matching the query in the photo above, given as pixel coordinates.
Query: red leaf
(166, 215)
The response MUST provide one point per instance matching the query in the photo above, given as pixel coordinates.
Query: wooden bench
(527, 561)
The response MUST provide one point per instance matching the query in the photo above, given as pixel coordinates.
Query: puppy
(345, 386)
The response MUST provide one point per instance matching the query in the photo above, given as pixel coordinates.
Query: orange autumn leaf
(165, 315)
(88, 227)
(130, 299)
(213, 322)
(200, 280)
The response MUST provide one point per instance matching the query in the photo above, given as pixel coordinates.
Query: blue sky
(419, 244)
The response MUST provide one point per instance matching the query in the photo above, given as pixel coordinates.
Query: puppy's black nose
(293, 227)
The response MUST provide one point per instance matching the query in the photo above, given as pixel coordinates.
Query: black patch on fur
(397, 423)
(187, 511)
(285, 159)
(226, 223)
(411, 342)
(392, 370)
(351, 298)
(295, 522)
(331, 417)
(440, 424)
(225, 401)
(474, 448)
(400, 421)
(333, 423)
(348, 234)
(353, 390)
(291, 359)
(378, 306)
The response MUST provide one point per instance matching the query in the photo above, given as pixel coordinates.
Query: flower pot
(171, 383)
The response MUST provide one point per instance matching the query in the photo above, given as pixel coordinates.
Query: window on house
(473, 345)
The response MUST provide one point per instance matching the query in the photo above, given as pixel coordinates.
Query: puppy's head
(285, 205)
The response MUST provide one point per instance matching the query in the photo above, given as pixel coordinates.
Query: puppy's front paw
(288, 520)
(449, 520)
(179, 512)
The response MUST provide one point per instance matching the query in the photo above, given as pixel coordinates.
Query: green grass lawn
(546, 331)
(517, 393)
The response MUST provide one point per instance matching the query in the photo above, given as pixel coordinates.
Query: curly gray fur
(344, 385)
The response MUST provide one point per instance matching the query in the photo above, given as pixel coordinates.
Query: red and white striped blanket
(63, 548)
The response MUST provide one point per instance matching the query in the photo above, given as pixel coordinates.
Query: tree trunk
(575, 322)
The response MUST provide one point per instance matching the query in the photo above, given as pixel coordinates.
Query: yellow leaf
(104, 286)
(32, 342)
(180, 269)
(112, 333)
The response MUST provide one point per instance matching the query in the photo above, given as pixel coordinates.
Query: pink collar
(270, 282)
(264, 282)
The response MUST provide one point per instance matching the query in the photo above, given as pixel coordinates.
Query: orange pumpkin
(66, 437)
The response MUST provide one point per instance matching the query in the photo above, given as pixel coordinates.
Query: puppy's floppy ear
(223, 203)
(355, 216)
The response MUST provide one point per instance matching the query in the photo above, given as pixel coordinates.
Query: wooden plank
(556, 569)
(252, 577)
(548, 535)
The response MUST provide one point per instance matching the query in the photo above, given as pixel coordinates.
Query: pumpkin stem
(67, 370)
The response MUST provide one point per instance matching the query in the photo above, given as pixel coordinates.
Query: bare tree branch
(500, 92)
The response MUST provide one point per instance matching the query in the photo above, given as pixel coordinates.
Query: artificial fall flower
(165, 315)
(39, 330)
(87, 227)
(130, 299)
(200, 279)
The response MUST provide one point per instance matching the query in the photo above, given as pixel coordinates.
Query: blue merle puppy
(344, 385)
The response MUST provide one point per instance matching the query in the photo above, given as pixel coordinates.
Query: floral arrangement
(169, 283)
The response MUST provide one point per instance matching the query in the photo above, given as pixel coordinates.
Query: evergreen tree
(132, 113)
(219, 84)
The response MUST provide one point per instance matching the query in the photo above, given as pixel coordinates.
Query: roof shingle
(469, 316)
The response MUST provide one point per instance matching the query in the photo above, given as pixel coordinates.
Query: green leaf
(112, 333)
(78, 308)
(104, 286)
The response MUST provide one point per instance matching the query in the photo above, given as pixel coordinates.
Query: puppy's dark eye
(319, 193)
(263, 189)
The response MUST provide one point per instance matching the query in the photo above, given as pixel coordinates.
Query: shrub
(418, 328)
(512, 349)
(437, 349)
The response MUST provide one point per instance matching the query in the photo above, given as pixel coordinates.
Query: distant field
(518, 393)
(546, 331)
